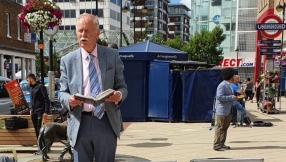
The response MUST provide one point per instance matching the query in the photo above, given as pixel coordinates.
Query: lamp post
(133, 21)
(280, 8)
(51, 32)
(237, 50)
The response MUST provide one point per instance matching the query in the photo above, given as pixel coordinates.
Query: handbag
(15, 122)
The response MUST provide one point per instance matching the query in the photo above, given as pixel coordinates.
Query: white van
(5, 101)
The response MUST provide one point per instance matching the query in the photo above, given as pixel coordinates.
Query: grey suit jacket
(224, 98)
(71, 82)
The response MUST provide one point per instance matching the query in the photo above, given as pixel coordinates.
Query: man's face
(29, 81)
(236, 80)
(87, 33)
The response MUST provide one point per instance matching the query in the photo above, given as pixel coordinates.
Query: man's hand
(74, 102)
(45, 115)
(116, 97)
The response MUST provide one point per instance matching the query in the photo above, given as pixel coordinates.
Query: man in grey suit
(90, 134)
(224, 98)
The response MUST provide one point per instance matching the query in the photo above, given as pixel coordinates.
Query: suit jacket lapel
(78, 70)
(102, 64)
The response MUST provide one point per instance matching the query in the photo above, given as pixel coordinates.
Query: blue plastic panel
(133, 108)
(199, 89)
(158, 90)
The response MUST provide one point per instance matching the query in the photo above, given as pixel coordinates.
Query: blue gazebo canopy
(151, 51)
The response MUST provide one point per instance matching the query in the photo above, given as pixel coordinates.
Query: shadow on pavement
(150, 144)
(260, 148)
(252, 141)
(53, 158)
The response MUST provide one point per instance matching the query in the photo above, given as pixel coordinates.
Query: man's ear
(98, 33)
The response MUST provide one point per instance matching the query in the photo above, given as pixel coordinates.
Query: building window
(160, 4)
(19, 29)
(128, 20)
(100, 13)
(8, 25)
(92, 11)
(69, 13)
(160, 15)
(113, 14)
(113, 1)
(112, 27)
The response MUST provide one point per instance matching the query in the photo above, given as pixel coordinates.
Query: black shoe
(217, 147)
(225, 147)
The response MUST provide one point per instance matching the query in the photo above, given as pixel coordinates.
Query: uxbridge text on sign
(271, 26)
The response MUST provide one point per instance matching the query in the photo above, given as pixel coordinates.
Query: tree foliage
(204, 46)
(158, 38)
(176, 43)
(56, 65)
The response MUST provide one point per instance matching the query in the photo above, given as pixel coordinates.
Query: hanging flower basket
(281, 57)
(270, 77)
(40, 14)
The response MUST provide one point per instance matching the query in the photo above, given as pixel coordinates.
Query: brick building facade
(15, 54)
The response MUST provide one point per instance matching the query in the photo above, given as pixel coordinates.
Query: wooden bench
(26, 136)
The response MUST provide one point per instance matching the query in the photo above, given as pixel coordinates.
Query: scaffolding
(66, 41)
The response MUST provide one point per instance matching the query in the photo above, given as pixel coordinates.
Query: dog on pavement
(48, 134)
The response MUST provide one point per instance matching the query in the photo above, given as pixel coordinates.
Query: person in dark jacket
(40, 102)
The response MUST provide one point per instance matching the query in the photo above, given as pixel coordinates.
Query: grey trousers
(96, 139)
(221, 125)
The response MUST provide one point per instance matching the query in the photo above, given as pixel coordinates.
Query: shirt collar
(85, 54)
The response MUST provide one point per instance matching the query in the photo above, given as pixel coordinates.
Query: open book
(100, 98)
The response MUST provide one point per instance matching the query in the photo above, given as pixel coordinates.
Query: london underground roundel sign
(271, 34)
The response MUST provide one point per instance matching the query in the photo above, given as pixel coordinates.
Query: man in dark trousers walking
(40, 102)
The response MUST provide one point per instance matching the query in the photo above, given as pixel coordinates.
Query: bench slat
(26, 136)
(33, 142)
(18, 138)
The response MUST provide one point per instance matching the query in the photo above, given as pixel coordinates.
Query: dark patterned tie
(98, 111)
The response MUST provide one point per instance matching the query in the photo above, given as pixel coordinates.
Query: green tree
(176, 43)
(204, 46)
(158, 38)
(56, 65)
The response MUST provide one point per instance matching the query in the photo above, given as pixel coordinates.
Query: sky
(186, 2)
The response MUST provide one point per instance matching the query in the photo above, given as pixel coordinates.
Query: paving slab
(183, 142)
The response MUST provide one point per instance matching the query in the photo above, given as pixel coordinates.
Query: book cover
(16, 94)
(100, 98)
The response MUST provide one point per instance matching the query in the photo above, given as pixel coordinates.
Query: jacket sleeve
(221, 96)
(46, 99)
(64, 92)
(119, 79)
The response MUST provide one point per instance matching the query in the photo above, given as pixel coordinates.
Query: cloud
(186, 2)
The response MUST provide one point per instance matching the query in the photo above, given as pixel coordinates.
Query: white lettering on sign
(166, 56)
(126, 56)
(241, 62)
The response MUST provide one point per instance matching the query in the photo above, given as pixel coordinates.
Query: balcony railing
(180, 11)
(150, 3)
(177, 20)
(177, 29)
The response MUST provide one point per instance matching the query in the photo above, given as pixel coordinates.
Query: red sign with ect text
(230, 62)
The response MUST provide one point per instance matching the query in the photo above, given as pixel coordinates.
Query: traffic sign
(271, 26)
(269, 53)
(270, 47)
(270, 41)
(271, 34)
